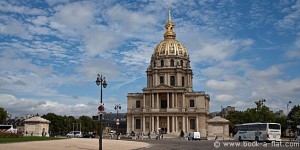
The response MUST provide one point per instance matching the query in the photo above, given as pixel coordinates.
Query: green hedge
(10, 135)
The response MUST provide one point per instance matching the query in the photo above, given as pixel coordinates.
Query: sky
(52, 50)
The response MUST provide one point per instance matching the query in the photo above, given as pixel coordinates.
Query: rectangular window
(137, 123)
(274, 126)
(138, 104)
(161, 80)
(182, 81)
(192, 103)
(192, 124)
(172, 81)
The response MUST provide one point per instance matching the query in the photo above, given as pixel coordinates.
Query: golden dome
(170, 46)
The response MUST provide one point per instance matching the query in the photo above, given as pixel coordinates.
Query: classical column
(197, 124)
(183, 124)
(176, 100)
(152, 100)
(157, 123)
(157, 100)
(132, 123)
(173, 124)
(144, 124)
(168, 99)
(152, 124)
(168, 124)
(173, 101)
(144, 101)
(183, 101)
(187, 124)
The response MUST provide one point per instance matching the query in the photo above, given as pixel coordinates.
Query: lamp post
(103, 83)
(262, 101)
(117, 107)
(287, 107)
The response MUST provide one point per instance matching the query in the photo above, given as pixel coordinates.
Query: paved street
(151, 144)
(176, 144)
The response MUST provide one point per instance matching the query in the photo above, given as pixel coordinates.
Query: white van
(76, 134)
(194, 136)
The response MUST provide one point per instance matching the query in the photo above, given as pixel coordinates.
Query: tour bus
(7, 129)
(257, 132)
(298, 133)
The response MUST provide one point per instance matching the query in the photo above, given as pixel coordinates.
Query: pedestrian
(216, 137)
(149, 137)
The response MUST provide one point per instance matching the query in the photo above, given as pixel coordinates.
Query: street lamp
(103, 83)
(117, 107)
(287, 107)
(262, 101)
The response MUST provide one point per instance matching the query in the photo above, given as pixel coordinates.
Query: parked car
(89, 135)
(76, 134)
(194, 136)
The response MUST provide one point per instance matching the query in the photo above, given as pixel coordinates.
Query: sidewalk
(74, 144)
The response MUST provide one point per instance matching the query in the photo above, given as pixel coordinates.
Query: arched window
(154, 64)
(162, 63)
(181, 63)
(172, 63)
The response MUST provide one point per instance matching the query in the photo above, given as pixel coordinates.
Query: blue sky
(51, 51)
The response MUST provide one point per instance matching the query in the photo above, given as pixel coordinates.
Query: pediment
(163, 86)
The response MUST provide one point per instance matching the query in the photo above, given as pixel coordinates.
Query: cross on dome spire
(169, 26)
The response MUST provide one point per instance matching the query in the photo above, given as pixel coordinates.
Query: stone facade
(218, 127)
(36, 126)
(168, 103)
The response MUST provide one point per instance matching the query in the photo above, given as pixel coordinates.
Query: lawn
(25, 139)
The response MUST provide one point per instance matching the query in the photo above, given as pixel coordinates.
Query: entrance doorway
(163, 125)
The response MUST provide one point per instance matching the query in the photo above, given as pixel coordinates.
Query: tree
(87, 124)
(261, 113)
(294, 116)
(234, 119)
(3, 115)
(282, 121)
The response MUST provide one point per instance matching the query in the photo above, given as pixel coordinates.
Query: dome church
(168, 104)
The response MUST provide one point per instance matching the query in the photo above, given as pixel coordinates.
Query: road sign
(117, 122)
(101, 108)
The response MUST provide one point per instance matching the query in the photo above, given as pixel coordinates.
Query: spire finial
(169, 19)
(169, 26)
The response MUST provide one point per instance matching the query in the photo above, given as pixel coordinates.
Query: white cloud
(40, 20)
(105, 67)
(9, 8)
(294, 53)
(292, 19)
(16, 28)
(75, 15)
(98, 42)
(228, 85)
(55, 2)
(269, 72)
(126, 20)
(224, 98)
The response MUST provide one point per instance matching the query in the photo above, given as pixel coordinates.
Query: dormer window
(162, 63)
(172, 63)
(161, 79)
(172, 80)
